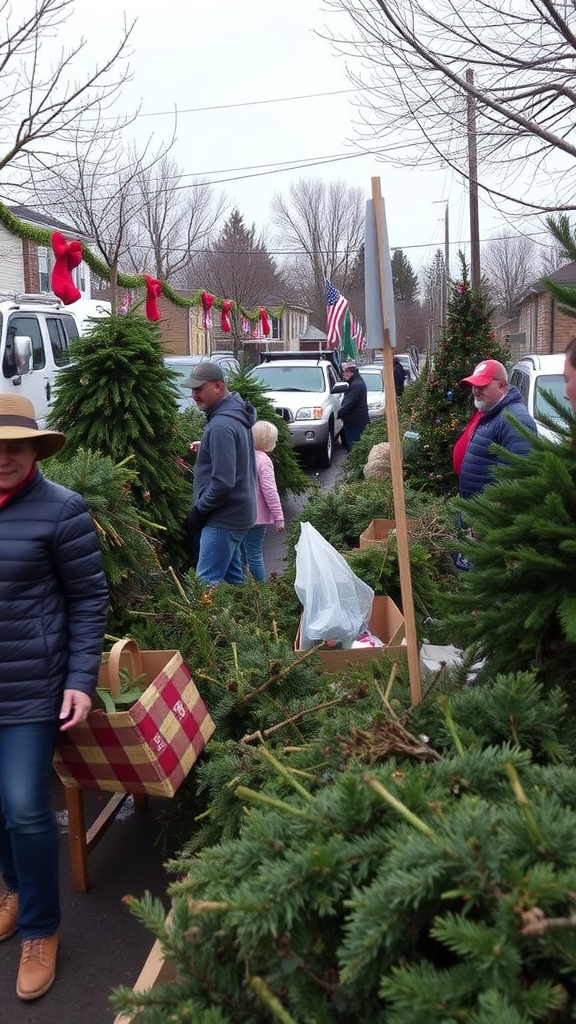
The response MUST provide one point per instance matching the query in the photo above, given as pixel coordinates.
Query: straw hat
(18, 423)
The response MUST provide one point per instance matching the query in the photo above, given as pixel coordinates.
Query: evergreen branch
(345, 699)
(524, 802)
(445, 705)
(284, 773)
(267, 801)
(277, 676)
(397, 805)
(269, 999)
(535, 923)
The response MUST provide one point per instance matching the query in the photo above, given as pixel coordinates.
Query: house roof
(564, 275)
(313, 334)
(30, 216)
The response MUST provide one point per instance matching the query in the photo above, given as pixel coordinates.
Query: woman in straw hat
(53, 601)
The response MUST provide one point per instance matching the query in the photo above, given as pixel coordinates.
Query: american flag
(336, 306)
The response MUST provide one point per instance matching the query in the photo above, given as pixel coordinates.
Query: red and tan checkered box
(151, 747)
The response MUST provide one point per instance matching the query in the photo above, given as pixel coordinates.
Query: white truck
(35, 332)
(306, 390)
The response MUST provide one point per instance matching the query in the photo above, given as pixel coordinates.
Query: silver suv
(306, 390)
(534, 374)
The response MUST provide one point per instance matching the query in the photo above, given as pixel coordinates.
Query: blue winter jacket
(53, 601)
(494, 427)
(225, 470)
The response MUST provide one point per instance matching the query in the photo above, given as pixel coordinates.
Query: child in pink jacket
(269, 509)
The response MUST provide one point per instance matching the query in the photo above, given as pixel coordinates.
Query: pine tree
(403, 892)
(404, 281)
(522, 590)
(441, 406)
(116, 397)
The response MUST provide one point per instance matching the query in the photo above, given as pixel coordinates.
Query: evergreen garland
(43, 236)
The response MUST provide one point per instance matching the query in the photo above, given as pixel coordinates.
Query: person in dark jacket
(354, 408)
(53, 604)
(399, 376)
(495, 399)
(224, 490)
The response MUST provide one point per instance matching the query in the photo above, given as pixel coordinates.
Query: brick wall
(30, 263)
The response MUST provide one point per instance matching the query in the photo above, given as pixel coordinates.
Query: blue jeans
(28, 836)
(219, 560)
(253, 547)
(352, 433)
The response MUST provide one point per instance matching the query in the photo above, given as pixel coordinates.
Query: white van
(35, 332)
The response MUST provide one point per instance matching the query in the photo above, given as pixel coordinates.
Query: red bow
(207, 303)
(225, 320)
(264, 321)
(154, 290)
(68, 255)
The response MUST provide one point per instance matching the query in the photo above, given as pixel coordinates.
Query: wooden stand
(82, 841)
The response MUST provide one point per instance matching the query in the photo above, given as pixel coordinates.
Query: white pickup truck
(35, 332)
(306, 390)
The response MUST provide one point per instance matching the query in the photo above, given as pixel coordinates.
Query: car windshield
(555, 383)
(290, 378)
(373, 381)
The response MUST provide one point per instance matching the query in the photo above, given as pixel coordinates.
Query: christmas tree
(440, 405)
(117, 397)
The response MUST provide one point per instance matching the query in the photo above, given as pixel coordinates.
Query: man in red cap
(495, 399)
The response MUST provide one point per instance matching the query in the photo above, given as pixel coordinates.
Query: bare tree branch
(412, 76)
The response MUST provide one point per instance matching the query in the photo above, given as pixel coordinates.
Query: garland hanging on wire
(69, 254)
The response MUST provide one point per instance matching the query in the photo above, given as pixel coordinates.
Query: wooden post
(396, 450)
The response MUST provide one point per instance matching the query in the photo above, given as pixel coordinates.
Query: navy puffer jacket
(354, 408)
(53, 601)
(494, 428)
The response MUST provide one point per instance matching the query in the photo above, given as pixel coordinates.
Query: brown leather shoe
(8, 914)
(37, 967)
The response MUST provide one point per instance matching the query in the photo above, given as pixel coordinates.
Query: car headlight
(315, 413)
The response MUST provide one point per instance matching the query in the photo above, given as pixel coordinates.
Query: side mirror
(340, 388)
(23, 353)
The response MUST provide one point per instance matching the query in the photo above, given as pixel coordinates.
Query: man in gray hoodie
(224, 491)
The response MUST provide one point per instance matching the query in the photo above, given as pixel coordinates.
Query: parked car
(35, 332)
(371, 374)
(535, 374)
(407, 363)
(306, 390)
(183, 365)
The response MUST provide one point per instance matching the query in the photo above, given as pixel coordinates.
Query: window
(58, 340)
(70, 326)
(43, 268)
(29, 327)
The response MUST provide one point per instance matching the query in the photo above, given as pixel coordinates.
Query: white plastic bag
(337, 604)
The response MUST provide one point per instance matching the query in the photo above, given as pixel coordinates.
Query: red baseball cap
(485, 373)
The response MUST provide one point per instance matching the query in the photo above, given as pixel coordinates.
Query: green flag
(348, 346)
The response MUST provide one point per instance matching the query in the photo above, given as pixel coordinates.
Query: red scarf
(5, 496)
(461, 446)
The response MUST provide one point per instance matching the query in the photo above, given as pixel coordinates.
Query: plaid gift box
(149, 748)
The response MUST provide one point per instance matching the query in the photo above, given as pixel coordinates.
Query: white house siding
(11, 265)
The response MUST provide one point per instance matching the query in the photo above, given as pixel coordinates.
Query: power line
(243, 103)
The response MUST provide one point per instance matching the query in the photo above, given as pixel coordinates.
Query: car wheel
(325, 452)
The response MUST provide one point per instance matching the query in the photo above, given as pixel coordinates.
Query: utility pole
(446, 268)
(473, 187)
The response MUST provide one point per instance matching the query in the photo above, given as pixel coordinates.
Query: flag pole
(386, 300)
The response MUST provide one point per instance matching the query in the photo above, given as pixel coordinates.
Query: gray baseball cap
(205, 371)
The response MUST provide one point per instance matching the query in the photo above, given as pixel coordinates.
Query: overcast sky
(256, 89)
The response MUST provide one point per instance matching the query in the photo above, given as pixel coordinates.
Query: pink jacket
(268, 507)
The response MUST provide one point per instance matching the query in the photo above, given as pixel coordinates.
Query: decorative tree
(404, 281)
(117, 397)
(441, 406)
(522, 589)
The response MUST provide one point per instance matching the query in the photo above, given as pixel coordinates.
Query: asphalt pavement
(101, 944)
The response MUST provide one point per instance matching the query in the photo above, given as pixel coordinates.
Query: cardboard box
(386, 622)
(377, 532)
